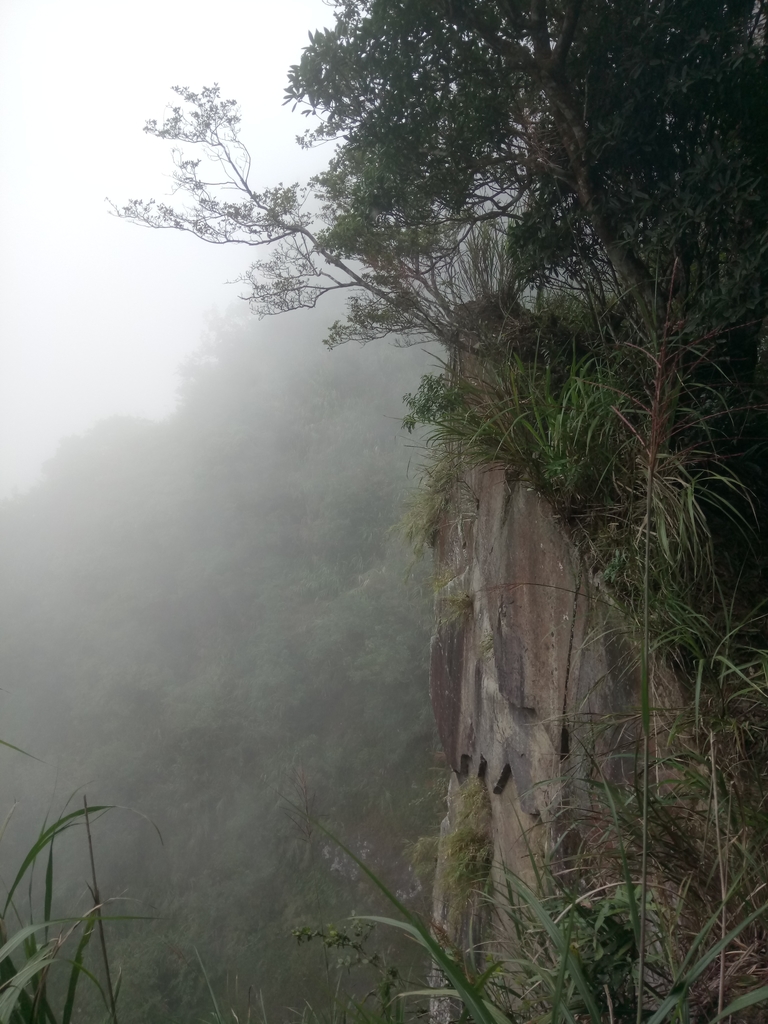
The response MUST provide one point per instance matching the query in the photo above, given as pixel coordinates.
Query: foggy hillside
(203, 619)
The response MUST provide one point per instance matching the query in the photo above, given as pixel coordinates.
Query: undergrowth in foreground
(42, 963)
(571, 954)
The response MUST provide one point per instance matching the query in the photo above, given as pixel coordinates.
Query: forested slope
(202, 619)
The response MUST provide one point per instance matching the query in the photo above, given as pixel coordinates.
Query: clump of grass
(680, 869)
(556, 431)
(456, 606)
(429, 504)
(442, 577)
(440, 495)
(467, 851)
(486, 644)
(625, 447)
(423, 855)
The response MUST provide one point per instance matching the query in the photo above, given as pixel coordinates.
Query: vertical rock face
(530, 665)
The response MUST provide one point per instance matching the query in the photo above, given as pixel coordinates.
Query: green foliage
(433, 400)
(643, 151)
(584, 434)
(424, 854)
(571, 952)
(351, 949)
(561, 434)
(577, 957)
(703, 902)
(30, 991)
(488, 150)
(396, 291)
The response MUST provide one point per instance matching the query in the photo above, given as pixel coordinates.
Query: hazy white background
(96, 314)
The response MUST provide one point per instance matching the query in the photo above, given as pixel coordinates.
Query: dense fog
(95, 316)
(218, 763)
(210, 621)
(207, 616)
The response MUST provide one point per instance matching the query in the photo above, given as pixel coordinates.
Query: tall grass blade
(759, 995)
(48, 900)
(684, 982)
(216, 1012)
(76, 971)
(13, 988)
(45, 837)
(562, 946)
(481, 1010)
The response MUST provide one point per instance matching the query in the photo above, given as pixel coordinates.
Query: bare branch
(399, 279)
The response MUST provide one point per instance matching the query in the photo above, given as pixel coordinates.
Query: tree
(616, 147)
(409, 278)
(627, 139)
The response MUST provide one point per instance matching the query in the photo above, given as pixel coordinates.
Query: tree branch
(539, 30)
(568, 31)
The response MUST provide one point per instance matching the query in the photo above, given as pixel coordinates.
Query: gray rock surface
(533, 670)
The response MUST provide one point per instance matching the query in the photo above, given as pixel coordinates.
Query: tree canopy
(615, 147)
(622, 140)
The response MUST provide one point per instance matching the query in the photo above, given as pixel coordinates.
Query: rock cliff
(534, 675)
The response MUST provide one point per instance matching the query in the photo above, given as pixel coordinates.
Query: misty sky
(96, 314)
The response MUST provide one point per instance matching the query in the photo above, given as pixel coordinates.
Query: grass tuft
(467, 851)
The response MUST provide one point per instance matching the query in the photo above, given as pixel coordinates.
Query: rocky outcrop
(533, 670)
